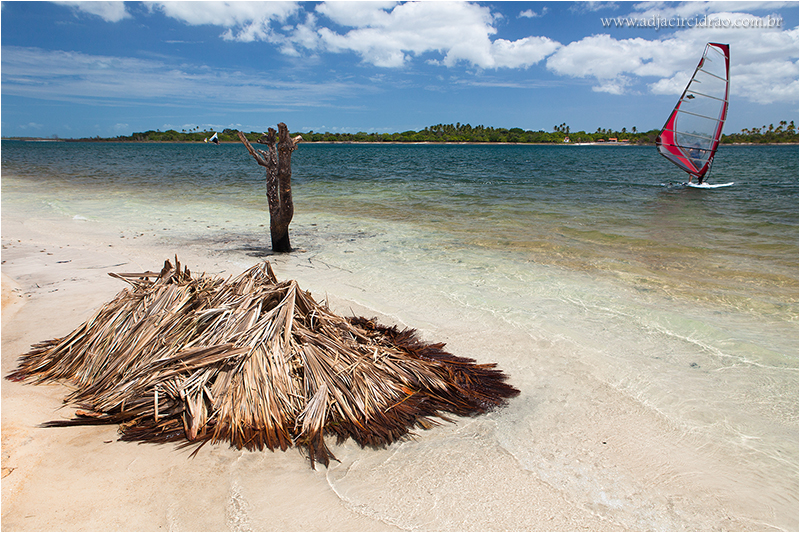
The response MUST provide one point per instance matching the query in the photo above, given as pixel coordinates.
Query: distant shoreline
(34, 139)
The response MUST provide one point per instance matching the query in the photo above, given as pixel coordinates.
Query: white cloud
(384, 34)
(102, 80)
(357, 14)
(764, 66)
(692, 9)
(617, 85)
(244, 21)
(108, 11)
(522, 52)
(675, 84)
(390, 34)
(767, 82)
(531, 14)
(458, 31)
(303, 35)
(592, 6)
(606, 58)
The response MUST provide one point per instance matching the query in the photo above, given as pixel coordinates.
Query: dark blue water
(586, 208)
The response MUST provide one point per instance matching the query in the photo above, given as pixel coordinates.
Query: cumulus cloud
(764, 66)
(108, 11)
(244, 21)
(591, 6)
(393, 35)
(606, 58)
(768, 81)
(384, 34)
(522, 52)
(617, 85)
(459, 32)
(531, 14)
(674, 84)
(693, 9)
(357, 14)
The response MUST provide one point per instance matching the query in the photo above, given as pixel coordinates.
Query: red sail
(692, 132)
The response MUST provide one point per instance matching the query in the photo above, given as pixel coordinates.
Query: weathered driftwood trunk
(278, 162)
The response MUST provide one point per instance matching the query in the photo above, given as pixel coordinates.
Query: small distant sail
(214, 139)
(691, 135)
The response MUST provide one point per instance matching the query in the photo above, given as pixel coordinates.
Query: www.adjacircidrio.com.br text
(657, 22)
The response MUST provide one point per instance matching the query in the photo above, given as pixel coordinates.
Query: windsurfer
(691, 135)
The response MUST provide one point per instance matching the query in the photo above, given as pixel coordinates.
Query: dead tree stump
(278, 162)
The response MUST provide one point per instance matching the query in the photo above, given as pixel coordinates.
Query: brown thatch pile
(255, 362)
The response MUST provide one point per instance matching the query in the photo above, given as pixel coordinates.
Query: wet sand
(83, 479)
(55, 274)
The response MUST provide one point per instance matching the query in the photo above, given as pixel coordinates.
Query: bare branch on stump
(278, 162)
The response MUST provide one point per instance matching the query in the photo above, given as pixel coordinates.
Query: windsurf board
(708, 185)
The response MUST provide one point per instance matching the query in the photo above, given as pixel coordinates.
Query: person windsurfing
(213, 139)
(692, 133)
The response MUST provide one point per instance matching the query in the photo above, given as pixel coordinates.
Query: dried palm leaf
(256, 363)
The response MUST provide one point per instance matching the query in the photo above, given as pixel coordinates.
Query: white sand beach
(83, 479)
(581, 456)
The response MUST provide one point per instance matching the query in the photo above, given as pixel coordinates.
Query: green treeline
(465, 133)
(226, 135)
(785, 132)
(457, 133)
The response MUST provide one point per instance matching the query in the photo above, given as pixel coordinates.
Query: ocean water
(653, 331)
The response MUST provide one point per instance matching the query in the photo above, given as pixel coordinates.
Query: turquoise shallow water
(593, 209)
(574, 268)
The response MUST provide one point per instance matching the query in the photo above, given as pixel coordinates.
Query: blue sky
(80, 69)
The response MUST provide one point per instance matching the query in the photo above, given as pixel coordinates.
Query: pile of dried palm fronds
(255, 362)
